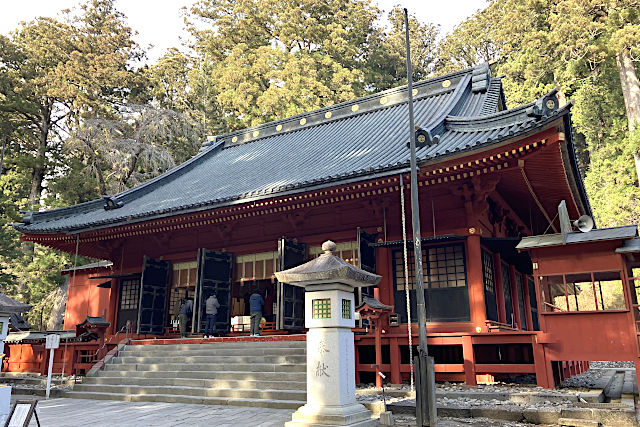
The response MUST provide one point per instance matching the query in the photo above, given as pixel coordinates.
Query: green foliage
(269, 59)
(573, 45)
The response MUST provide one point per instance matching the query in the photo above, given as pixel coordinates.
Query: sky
(159, 23)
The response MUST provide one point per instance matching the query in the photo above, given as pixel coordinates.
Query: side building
(263, 199)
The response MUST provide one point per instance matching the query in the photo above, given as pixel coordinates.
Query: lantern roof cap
(328, 268)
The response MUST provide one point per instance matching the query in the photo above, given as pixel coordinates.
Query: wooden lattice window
(442, 267)
(86, 356)
(130, 294)
(506, 286)
(346, 309)
(487, 272)
(321, 308)
(521, 305)
(446, 267)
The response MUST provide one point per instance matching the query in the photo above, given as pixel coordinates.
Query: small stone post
(329, 283)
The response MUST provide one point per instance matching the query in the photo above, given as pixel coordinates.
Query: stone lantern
(329, 283)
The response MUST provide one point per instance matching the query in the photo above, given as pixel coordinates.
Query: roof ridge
(491, 101)
(437, 125)
(176, 171)
(511, 116)
(372, 102)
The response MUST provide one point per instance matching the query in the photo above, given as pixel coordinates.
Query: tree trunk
(4, 145)
(39, 168)
(56, 316)
(631, 93)
(101, 183)
(94, 161)
(130, 168)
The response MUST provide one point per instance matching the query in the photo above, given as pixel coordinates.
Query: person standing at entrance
(255, 305)
(186, 311)
(212, 306)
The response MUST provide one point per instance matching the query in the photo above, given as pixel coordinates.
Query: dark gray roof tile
(348, 145)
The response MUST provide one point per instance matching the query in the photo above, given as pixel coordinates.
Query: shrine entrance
(151, 301)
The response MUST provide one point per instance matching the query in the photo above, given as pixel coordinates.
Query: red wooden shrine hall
(263, 199)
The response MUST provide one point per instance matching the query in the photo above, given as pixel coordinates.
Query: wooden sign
(21, 413)
(52, 341)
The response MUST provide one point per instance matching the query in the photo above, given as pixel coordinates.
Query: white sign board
(53, 341)
(20, 414)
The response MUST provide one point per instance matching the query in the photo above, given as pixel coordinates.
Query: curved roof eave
(440, 98)
(364, 175)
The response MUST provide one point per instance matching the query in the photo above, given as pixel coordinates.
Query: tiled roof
(353, 140)
(17, 322)
(373, 303)
(597, 235)
(9, 305)
(99, 264)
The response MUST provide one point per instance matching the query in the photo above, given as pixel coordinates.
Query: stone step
(276, 404)
(252, 367)
(31, 381)
(212, 374)
(183, 358)
(20, 374)
(37, 391)
(194, 391)
(136, 351)
(200, 382)
(222, 345)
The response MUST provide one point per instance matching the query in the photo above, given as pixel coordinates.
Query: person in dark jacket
(211, 307)
(256, 302)
(186, 311)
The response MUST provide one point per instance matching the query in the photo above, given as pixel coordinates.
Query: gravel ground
(499, 387)
(591, 378)
(585, 380)
(609, 365)
(408, 420)
(465, 402)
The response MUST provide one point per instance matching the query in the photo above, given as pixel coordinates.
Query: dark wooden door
(508, 302)
(214, 275)
(522, 323)
(153, 296)
(488, 280)
(534, 303)
(290, 298)
(366, 259)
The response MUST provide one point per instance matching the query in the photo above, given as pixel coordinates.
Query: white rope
(406, 276)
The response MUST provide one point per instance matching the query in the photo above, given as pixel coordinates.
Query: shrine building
(264, 199)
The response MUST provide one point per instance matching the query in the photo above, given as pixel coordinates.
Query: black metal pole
(425, 393)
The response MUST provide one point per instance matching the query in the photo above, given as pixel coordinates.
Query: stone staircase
(260, 373)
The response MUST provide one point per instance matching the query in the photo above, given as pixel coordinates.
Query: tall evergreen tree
(59, 72)
(269, 59)
(587, 49)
